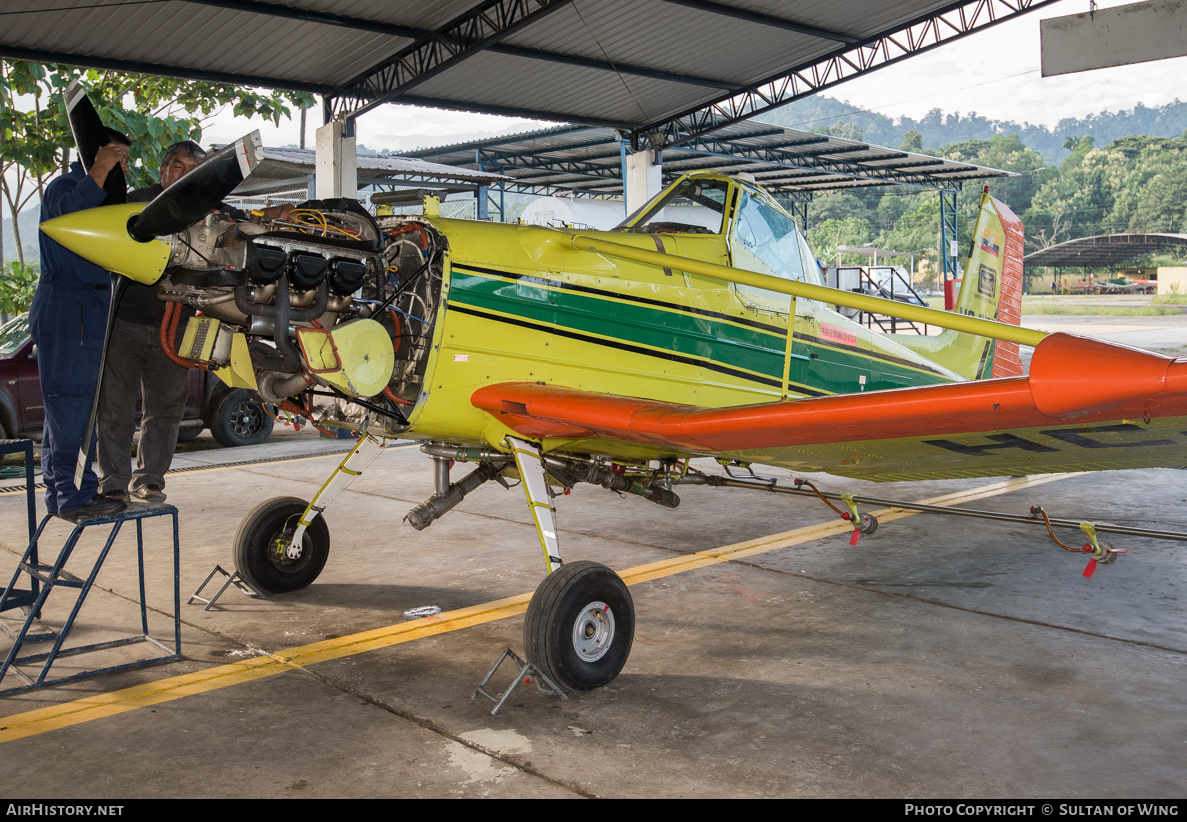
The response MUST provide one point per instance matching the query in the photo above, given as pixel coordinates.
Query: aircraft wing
(1087, 405)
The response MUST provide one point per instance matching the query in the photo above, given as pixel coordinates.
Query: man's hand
(107, 158)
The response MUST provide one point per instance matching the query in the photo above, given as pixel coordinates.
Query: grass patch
(1170, 299)
(1084, 310)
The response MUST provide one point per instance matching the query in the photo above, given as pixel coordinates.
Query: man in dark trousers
(137, 364)
(67, 320)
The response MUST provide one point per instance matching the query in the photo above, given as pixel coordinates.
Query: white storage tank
(599, 215)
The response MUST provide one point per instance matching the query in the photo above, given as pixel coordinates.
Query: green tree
(826, 237)
(917, 230)
(846, 131)
(912, 141)
(35, 137)
(17, 284)
(839, 205)
(1005, 152)
(1082, 195)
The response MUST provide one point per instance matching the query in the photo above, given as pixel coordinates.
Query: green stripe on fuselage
(684, 332)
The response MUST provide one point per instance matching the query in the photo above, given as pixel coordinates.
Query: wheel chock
(232, 579)
(525, 672)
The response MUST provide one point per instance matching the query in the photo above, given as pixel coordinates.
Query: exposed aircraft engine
(325, 297)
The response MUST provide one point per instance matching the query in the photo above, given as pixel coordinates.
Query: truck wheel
(236, 419)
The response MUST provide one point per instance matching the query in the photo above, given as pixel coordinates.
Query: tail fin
(992, 290)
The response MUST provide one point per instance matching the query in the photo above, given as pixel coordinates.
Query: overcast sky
(994, 72)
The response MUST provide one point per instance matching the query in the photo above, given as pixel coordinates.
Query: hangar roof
(666, 70)
(286, 168)
(1103, 251)
(588, 160)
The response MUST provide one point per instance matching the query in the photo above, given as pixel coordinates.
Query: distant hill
(28, 226)
(821, 113)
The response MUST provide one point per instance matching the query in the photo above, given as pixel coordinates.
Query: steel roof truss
(819, 162)
(767, 20)
(468, 34)
(924, 33)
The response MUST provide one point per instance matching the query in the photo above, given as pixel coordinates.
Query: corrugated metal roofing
(622, 63)
(588, 160)
(1103, 251)
(284, 168)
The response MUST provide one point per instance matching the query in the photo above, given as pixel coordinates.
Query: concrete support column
(643, 173)
(336, 167)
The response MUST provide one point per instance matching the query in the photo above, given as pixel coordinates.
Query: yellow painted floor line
(98, 706)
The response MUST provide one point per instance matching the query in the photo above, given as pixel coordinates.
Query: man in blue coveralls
(67, 320)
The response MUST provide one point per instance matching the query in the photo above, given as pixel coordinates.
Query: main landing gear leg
(362, 455)
(283, 544)
(535, 484)
(580, 624)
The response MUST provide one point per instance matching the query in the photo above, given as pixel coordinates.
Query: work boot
(150, 494)
(119, 496)
(99, 506)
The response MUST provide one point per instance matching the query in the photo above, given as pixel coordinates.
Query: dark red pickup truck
(230, 414)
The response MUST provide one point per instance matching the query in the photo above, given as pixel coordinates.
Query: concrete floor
(940, 657)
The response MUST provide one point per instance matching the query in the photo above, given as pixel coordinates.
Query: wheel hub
(244, 421)
(593, 631)
(282, 549)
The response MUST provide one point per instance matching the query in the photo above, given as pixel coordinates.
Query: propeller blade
(200, 191)
(89, 136)
(118, 285)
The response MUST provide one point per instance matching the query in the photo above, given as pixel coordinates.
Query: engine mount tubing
(393, 413)
(723, 482)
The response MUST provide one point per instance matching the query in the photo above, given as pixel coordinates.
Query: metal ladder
(45, 578)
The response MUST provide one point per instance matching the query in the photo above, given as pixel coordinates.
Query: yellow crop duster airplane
(700, 327)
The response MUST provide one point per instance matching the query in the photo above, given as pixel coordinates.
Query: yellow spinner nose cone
(100, 235)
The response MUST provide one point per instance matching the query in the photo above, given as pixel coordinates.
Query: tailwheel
(265, 555)
(580, 625)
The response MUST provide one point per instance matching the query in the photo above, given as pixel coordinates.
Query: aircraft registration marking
(98, 706)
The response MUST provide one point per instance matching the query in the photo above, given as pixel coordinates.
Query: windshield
(765, 240)
(14, 334)
(693, 207)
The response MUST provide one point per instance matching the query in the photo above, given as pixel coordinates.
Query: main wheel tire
(264, 535)
(580, 626)
(236, 419)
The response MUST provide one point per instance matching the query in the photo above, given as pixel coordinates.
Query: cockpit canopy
(759, 234)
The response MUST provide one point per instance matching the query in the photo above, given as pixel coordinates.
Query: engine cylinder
(306, 270)
(346, 276)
